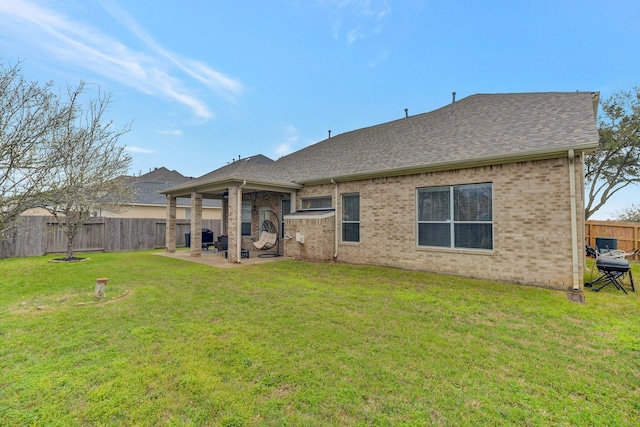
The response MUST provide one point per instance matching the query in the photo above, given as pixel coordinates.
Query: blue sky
(224, 79)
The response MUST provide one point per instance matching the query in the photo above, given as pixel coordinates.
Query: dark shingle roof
(162, 174)
(255, 168)
(479, 129)
(148, 187)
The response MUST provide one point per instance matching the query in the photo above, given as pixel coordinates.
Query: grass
(304, 344)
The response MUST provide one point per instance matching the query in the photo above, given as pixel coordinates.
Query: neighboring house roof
(149, 185)
(477, 130)
(163, 174)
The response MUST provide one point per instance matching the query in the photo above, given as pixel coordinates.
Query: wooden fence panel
(39, 235)
(626, 233)
(27, 238)
(89, 238)
(125, 234)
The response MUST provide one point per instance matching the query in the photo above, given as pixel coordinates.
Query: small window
(246, 218)
(316, 203)
(351, 217)
(285, 209)
(458, 216)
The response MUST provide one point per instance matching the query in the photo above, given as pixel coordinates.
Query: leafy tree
(629, 214)
(616, 163)
(30, 114)
(90, 174)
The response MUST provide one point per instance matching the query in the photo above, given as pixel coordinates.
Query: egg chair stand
(269, 237)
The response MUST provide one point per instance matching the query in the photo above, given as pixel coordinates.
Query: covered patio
(257, 198)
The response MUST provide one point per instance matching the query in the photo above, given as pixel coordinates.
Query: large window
(246, 218)
(458, 216)
(351, 217)
(316, 203)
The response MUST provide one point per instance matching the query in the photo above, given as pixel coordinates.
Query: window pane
(351, 232)
(285, 210)
(286, 207)
(246, 218)
(433, 204)
(246, 228)
(472, 202)
(474, 236)
(351, 207)
(316, 203)
(246, 211)
(434, 235)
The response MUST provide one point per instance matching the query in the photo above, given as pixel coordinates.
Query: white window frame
(243, 220)
(343, 221)
(451, 221)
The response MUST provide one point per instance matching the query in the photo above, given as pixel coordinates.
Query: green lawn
(304, 344)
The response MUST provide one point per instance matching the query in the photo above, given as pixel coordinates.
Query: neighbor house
(490, 186)
(148, 202)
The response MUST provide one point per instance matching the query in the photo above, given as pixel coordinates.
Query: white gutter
(239, 222)
(337, 225)
(574, 220)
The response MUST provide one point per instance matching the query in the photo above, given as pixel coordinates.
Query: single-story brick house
(490, 186)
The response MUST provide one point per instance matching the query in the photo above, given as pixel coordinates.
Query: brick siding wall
(531, 224)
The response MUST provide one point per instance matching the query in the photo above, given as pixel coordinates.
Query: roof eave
(472, 163)
(222, 184)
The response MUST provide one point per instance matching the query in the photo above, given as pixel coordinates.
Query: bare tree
(91, 171)
(29, 116)
(616, 163)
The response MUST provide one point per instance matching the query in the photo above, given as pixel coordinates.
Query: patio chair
(222, 244)
(268, 237)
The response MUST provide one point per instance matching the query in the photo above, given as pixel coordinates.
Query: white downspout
(337, 225)
(239, 222)
(574, 220)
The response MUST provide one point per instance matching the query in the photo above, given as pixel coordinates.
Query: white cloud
(138, 150)
(154, 71)
(172, 132)
(356, 19)
(291, 139)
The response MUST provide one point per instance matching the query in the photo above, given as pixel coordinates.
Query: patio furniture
(206, 241)
(222, 244)
(243, 253)
(612, 270)
(268, 237)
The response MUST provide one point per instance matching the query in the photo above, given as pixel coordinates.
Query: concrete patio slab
(218, 260)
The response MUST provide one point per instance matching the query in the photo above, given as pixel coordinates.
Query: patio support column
(196, 224)
(225, 217)
(234, 222)
(170, 232)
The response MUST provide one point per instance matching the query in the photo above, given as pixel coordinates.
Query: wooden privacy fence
(626, 233)
(39, 235)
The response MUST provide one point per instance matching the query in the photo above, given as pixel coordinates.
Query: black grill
(612, 272)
